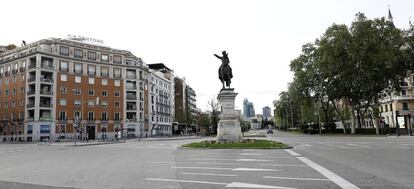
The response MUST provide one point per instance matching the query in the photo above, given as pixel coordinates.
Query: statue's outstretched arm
(217, 56)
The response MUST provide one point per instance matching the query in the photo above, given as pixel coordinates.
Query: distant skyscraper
(248, 109)
(266, 112)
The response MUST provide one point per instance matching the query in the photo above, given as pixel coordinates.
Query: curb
(92, 144)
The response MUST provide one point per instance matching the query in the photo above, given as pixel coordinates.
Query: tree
(203, 122)
(214, 107)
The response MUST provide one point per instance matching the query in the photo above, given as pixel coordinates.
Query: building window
(91, 103)
(64, 77)
(104, 104)
(104, 82)
(64, 66)
(405, 106)
(104, 116)
(117, 116)
(390, 107)
(6, 81)
(386, 108)
(91, 116)
(78, 91)
(91, 55)
(78, 79)
(14, 92)
(77, 103)
(117, 72)
(78, 68)
(63, 90)
(117, 59)
(30, 129)
(104, 71)
(13, 104)
(62, 116)
(78, 53)
(105, 58)
(91, 92)
(117, 94)
(62, 102)
(117, 83)
(116, 104)
(64, 51)
(91, 81)
(6, 93)
(403, 92)
(44, 129)
(91, 70)
(77, 115)
(21, 90)
(105, 93)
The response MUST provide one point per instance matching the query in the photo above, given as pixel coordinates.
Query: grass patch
(246, 144)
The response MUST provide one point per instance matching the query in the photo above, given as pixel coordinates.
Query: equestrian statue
(225, 73)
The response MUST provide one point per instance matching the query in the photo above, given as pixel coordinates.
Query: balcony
(47, 80)
(133, 87)
(30, 105)
(91, 73)
(131, 120)
(131, 76)
(104, 74)
(117, 75)
(46, 105)
(131, 97)
(47, 66)
(31, 79)
(45, 92)
(31, 92)
(45, 119)
(132, 108)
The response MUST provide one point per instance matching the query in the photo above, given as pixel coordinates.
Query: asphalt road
(315, 162)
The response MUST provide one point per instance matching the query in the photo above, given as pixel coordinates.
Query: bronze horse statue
(225, 73)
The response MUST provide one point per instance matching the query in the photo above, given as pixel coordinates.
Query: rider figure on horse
(225, 73)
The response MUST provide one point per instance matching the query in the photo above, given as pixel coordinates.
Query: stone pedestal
(228, 129)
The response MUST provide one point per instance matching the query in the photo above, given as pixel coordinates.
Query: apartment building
(185, 106)
(402, 103)
(161, 98)
(53, 87)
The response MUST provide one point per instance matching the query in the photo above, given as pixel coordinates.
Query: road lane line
(213, 168)
(219, 163)
(227, 185)
(253, 160)
(249, 185)
(253, 169)
(282, 165)
(188, 181)
(210, 174)
(291, 152)
(359, 145)
(402, 147)
(293, 178)
(341, 182)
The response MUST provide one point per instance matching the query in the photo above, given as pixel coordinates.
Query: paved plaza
(314, 162)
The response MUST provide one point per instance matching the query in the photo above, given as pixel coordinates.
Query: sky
(260, 36)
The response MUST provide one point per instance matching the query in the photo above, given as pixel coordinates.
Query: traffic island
(243, 144)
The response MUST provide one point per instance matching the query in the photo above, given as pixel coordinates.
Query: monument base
(229, 131)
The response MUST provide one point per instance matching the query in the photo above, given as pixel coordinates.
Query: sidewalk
(172, 138)
(80, 143)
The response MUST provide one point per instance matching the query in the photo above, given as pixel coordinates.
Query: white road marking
(253, 160)
(214, 168)
(358, 145)
(210, 174)
(283, 165)
(249, 185)
(307, 145)
(221, 168)
(291, 152)
(188, 181)
(253, 169)
(227, 185)
(402, 147)
(210, 159)
(219, 163)
(163, 162)
(293, 178)
(329, 174)
(251, 154)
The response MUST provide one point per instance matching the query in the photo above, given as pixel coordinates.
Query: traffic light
(397, 113)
